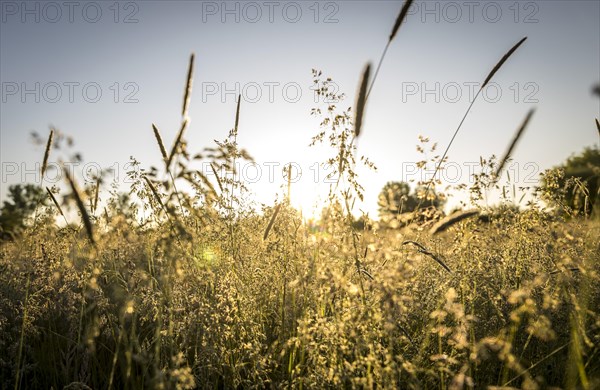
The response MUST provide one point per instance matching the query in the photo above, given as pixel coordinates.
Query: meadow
(191, 286)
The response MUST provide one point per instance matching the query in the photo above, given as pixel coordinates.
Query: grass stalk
(22, 336)
(47, 154)
(494, 70)
(513, 143)
(80, 205)
(399, 21)
(161, 145)
(188, 88)
(271, 222)
(361, 100)
(57, 205)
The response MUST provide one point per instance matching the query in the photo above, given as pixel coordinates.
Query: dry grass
(199, 296)
(177, 143)
(452, 219)
(271, 221)
(87, 223)
(159, 141)
(55, 202)
(155, 193)
(494, 70)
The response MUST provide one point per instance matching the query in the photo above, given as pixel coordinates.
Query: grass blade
(272, 221)
(289, 182)
(395, 29)
(188, 87)
(47, 153)
(96, 196)
(514, 142)
(361, 100)
(56, 204)
(502, 61)
(217, 177)
(237, 113)
(423, 250)
(159, 140)
(487, 79)
(597, 126)
(400, 19)
(155, 193)
(84, 214)
(177, 142)
(207, 183)
(450, 220)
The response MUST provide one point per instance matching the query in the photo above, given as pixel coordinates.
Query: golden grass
(188, 304)
(96, 194)
(423, 250)
(212, 167)
(87, 223)
(494, 70)
(452, 219)
(53, 198)
(271, 221)
(155, 193)
(161, 145)
(177, 143)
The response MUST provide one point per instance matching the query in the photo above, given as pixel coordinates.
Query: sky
(102, 72)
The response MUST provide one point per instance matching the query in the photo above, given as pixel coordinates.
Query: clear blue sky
(443, 45)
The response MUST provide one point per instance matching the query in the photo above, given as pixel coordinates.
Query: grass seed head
(400, 19)
(502, 61)
(47, 152)
(188, 87)
(159, 140)
(514, 141)
(361, 100)
(80, 205)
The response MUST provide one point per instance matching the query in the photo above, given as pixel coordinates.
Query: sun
(308, 198)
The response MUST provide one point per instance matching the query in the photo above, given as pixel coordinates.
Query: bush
(574, 186)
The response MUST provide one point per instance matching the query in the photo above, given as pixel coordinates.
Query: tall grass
(213, 293)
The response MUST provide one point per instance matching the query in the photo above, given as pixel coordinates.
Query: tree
(575, 184)
(23, 201)
(396, 198)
